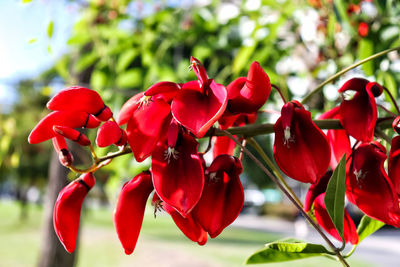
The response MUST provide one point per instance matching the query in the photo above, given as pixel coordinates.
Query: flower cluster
(162, 122)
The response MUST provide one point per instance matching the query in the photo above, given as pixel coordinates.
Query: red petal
(316, 189)
(305, 154)
(222, 198)
(78, 98)
(129, 211)
(148, 126)
(323, 219)
(178, 181)
(189, 227)
(129, 108)
(372, 190)
(200, 71)
(72, 119)
(109, 133)
(338, 139)
(166, 90)
(72, 134)
(223, 145)
(250, 96)
(358, 115)
(394, 164)
(67, 210)
(198, 111)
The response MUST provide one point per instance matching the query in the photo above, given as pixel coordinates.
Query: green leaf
(50, 29)
(334, 196)
(98, 80)
(367, 227)
(26, 1)
(242, 58)
(366, 49)
(126, 58)
(286, 251)
(130, 79)
(32, 41)
(85, 61)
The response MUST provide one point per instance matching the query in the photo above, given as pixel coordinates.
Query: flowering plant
(203, 198)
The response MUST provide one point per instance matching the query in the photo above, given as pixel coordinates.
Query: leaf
(130, 78)
(334, 196)
(280, 251)
(126, 58)
(85, 61)
(50, 29)
(26, 1)
(98, 80)
(367, 227)
(32, 41)
(366, 49)
(242, 58)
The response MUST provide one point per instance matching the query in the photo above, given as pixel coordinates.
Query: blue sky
(21, 23)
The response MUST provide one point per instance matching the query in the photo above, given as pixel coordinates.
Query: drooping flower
(178, 175)
(129, 210)
(315, 190)
(358, 113)
(67, 210)
(301, 149)
(199, 104)
(371, 189)
(338, 139)
(249, 94)
(222, 198)
(394, 164)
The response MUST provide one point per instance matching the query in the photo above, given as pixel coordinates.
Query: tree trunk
(53, 253)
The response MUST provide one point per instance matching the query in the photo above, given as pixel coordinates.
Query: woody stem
(340, 73)
(289, 196)
(270, 164)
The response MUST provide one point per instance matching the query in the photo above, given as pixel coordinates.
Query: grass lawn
(160, 243)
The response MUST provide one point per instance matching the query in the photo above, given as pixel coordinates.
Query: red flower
(178, 176)
(109, 133)
(199, 104)
(371, 189)
(129, 211)
(394, 164)
(77, 98)
(316, 189)
(323, 219)
(338, 139)
(72, 134)
(247, 95)
(222, 198)
(363, 29)
(67, 210)
(301, 149)
(358, 112)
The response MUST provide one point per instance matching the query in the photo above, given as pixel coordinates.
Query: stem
(244, 142)
(333, 77)
(280, 92)
(289, 196)
(385, 109)
(392, 99)
(270, 164)
(94, 156)
(351, 251)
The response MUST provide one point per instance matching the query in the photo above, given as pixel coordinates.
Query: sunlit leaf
(367, 227)
(129, 79)
(50, 29)
(366, 49)
(286, 251)
(32, 41)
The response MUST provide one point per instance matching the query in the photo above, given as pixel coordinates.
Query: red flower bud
(129, 211)
(247, 95)
(72, 119)
(222, 198)
(358, 112)
(178, 175)
(323, 219)
(78, 98)
(363, 29)
(72, 134)
(109, 133)
(301, 149)
(67, 210)
(64, 156)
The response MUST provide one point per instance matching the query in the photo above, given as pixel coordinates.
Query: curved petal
(254, 92)
(301, 150)
(198, 111)
(72, 119)
(359, 114)
(223, 196)
(178, 176)
(129, 108)
(148, 126)
(109, 133)
(316, 189)
(129, 211)
(394, 164)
